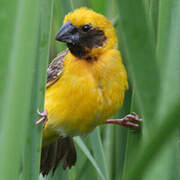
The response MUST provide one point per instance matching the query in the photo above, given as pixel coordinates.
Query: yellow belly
(85, 95)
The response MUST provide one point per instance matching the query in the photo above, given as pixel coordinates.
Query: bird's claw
(128, 121)
(43, 118)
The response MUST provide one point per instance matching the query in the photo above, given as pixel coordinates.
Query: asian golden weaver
(85, 86)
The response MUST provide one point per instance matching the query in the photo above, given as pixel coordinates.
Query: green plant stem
(96, 144)
(16, 105)
(140, 53)
(85, 150)
(153, 146)
(33, 143)
(168, 114)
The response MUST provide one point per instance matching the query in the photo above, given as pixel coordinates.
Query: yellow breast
(87, 93)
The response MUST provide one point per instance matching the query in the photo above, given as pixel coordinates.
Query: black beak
(67, 33)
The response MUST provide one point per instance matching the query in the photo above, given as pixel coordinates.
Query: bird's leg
(43, 117)
(128, 121)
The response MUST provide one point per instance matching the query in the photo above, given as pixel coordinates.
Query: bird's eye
(86, 27)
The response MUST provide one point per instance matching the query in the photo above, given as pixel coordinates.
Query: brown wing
(55, 69)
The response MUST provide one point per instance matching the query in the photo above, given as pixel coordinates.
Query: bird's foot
(44, 117)
(128, 121)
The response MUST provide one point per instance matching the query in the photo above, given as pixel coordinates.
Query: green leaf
(20, 51)
(140, 54)
(98, 6)
(83, 147)
(98, 151)
(169, 100)
(33, 141)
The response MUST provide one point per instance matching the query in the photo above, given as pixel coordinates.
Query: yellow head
(87, 33)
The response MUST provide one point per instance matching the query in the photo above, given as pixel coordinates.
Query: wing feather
(55, 69)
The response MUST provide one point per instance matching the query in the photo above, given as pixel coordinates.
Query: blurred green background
(149, 40)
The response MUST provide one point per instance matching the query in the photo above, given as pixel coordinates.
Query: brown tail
(62, 150)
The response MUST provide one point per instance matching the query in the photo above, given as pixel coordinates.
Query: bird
(86, 85)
